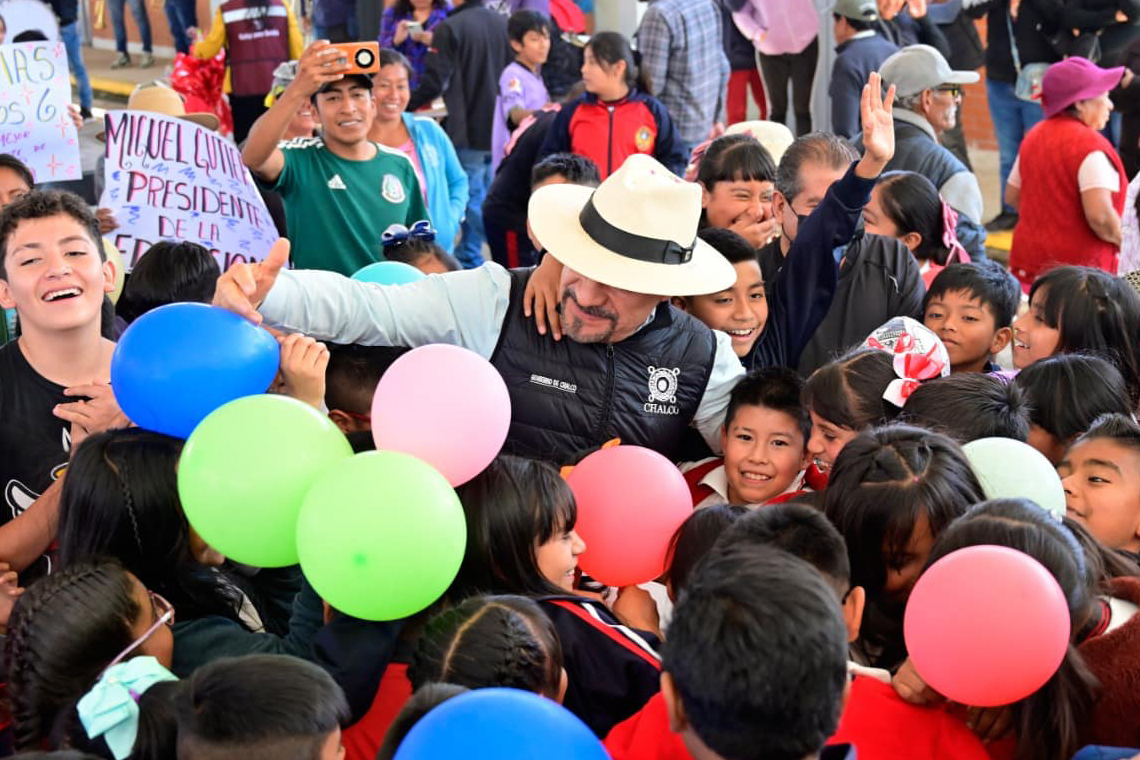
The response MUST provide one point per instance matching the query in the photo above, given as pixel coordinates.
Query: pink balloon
(630, 502)
(986, 626)
(445, 405)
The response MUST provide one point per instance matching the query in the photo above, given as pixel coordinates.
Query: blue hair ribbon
(111, 708)
(398, 233)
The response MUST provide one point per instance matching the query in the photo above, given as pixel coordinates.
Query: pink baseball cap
(1073, 79)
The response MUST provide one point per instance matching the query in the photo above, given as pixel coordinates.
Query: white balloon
(1009, 469)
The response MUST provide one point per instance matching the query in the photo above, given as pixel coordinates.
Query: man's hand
(320, 64)
(97, 412)
(541, 296)
(878, 128)
(243, 287)
(303, 364)
(107, 221)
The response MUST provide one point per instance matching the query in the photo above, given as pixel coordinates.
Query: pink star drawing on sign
(58, 50)
(54, 165)
(27, 92)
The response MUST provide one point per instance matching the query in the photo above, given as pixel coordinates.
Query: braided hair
(884, 482)
(63, 632)
(491, 641)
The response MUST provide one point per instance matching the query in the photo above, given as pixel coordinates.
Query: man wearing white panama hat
(633, 366)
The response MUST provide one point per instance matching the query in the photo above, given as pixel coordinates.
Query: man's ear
(680, 302)
(677, 720)
(779, 202)
(1001, 339)
(6, 299)
(343, 421)
(853, 611)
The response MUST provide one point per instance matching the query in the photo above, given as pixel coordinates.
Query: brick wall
(975, 110)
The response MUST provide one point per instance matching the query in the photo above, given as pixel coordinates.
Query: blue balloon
(176, 364)
(389, 273)
(493, 724)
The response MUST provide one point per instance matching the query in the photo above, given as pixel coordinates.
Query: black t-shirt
(34, 443)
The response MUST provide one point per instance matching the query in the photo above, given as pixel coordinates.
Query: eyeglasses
(164, 610)
(953, 89)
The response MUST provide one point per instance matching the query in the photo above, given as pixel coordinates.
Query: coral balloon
(446, 405)
(179, 362)
(245, 470)
(986, 626)
(1009, 469)
(381, 535)
(630, 502)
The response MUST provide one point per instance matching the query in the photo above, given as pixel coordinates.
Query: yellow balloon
(116, 260)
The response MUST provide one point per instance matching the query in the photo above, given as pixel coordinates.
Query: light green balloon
(1009, 469)
(381, 535)
(245, 470)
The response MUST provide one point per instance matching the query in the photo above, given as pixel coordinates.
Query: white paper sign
(35, 125)
(170, 179)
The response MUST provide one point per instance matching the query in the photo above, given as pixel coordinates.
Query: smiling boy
(971, 307)
(1101, 475)
(53, 273)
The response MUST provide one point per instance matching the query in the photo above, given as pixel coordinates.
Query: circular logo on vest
(643, 138)
(663, 384)
(392, 189)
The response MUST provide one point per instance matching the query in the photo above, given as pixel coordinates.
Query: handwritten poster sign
(35, 126)
(170, 179)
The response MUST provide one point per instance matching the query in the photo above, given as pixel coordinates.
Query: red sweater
(1052, 229)
(1114, 658)
(362, 739)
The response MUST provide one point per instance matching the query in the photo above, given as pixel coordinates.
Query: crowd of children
(847, 352)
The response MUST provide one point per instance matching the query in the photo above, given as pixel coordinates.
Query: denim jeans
(477, 165)
(1012, 118)
(70, 36)
(118, 21)
(346, 32)
(181, 15)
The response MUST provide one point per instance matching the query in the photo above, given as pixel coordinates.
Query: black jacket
(468, 53)
(739, 49)
(645, 389)
(1036, 21)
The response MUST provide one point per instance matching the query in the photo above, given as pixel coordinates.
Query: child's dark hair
(1048, 723)
(353, 372)
(969, 405)
(882, 483)
(414, 251)
(849, 391)
(120, 499)
(512, 507)
(803, 532)
(822, 148)
(755, 625)
(389, 57)
(15, 165)
(427, 698)
(693, 540)
(1067, 393)
(521, 22)
(735, 158)
(258, 707)
(490, 641)
(169, 272)
(1119, 428)
(987, 281)
(729, 244)
(1095, 313)
(63, 633)
(40, 204)
(610, 48)
(775, 388)
(911, 202)
(575, 169)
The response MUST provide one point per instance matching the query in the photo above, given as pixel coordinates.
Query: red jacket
(1114, 658)
(1052, 229)
(609, 133)
(362, 739)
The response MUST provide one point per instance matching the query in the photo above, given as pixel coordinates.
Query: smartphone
(414, 28)
(362, 57)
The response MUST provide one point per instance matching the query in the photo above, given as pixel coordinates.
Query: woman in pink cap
(1068, 179)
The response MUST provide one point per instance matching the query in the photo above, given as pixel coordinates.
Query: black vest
(567, 397)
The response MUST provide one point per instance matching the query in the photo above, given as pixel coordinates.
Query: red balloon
(630, 502)
(986, 626)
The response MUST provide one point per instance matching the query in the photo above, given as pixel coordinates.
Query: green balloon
(381, 535)
(245, 470)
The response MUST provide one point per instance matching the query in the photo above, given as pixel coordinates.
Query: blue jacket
(444, 176)
(856, 59)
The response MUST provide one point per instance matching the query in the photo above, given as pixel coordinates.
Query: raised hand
(243, 287)
(303, 364)
(320, 64)
(878, 127)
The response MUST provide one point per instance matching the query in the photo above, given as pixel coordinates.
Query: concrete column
(617, 15)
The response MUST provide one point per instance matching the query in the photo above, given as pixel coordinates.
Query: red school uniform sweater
(1052, 229)
(1114, 658)
(362, 739)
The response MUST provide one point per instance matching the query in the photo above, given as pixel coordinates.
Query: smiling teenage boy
(971, 307)
(55, 378)
(341, 191)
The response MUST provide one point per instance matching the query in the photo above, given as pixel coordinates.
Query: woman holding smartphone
(407, 27)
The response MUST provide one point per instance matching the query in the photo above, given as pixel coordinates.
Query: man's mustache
(593, 311)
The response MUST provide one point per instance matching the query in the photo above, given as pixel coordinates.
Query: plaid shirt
(683, 62)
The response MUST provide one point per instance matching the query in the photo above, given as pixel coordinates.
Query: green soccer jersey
(336, 210)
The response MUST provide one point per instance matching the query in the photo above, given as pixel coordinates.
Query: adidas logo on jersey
(336, 183)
